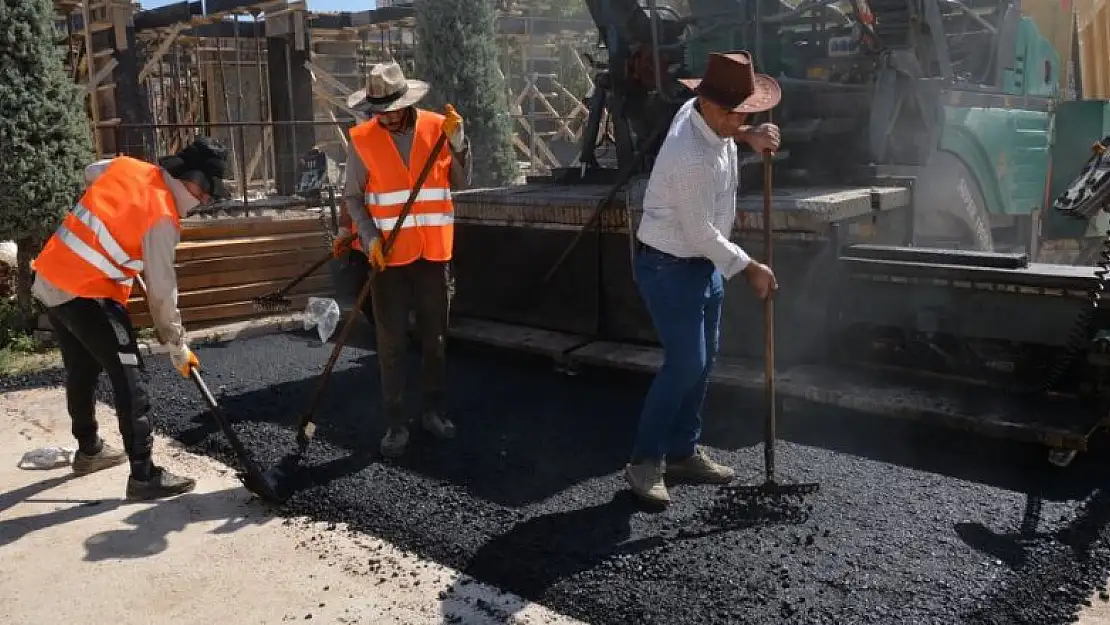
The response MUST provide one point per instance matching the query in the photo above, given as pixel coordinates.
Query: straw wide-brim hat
(386, 90)
(731, 82)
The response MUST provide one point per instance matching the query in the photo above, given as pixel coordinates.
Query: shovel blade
(269, 486)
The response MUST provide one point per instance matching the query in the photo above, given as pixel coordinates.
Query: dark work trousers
(425, 288)
(96, 335)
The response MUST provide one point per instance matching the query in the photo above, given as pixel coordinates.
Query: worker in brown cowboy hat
(683, 258)
(127, 222)
(384, 158)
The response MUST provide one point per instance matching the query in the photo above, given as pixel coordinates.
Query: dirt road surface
(72, 551)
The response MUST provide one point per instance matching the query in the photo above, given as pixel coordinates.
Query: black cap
(203, 161)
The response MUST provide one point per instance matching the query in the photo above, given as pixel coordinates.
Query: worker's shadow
(1045, 562)
(553, 547)
(152, 521)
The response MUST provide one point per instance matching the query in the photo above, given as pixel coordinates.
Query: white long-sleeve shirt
(690, 200)
(159, 246)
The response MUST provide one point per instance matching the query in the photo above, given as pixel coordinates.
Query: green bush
(13, 337)
(45, 138)
(457, 54)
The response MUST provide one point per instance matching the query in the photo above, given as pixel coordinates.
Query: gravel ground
(912, 525)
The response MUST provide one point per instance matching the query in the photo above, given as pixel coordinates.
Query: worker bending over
(683, 257)
(127, 222)
(384, 159)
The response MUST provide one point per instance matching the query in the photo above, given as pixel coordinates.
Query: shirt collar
(703, 128)
(182, 199)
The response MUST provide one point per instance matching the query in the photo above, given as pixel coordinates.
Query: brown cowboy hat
(731, 82)
(386, 90)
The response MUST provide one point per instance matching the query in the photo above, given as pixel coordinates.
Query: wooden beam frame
(100, 75)
(163, 47)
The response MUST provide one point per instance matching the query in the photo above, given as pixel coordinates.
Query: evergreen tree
(457, 54)
(45, 141)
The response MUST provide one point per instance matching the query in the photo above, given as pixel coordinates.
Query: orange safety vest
(429, 229)
(98, 249)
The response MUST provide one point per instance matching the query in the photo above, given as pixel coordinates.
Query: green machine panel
(1078, 125)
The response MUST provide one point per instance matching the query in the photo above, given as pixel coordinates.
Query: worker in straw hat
(384, 159)
(683, 258)
(126, 222)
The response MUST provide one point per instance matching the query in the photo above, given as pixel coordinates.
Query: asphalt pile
(911, 524)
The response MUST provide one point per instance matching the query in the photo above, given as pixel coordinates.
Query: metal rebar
(289, 93)
(262, 98)
(303, 122)
(243, 182)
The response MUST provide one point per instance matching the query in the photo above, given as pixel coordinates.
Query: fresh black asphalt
(912, 524)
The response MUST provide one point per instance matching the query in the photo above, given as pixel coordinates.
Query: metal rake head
(771, 489)
(272, 303)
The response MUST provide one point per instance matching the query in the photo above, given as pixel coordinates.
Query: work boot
(646, 480)
(106, 458)
(438, 425)
(394, 442)
(700, 469)
(161, 484)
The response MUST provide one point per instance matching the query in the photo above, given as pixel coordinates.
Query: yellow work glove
(374, 254)
(342, 243)
(453, 128)
(183, 359)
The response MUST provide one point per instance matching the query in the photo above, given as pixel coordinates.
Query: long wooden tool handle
(306, 418)
(306, 273)
(768, 327)
(218, 415)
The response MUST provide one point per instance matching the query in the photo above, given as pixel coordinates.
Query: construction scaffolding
(271, 79)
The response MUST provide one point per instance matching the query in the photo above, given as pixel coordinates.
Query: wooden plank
(313, 285)
(232, 263)
(197, 250)
(218, 312)
(229, 229)
(244, 276)
(533, 340)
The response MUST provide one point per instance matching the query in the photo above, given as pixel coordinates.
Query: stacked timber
(223, 263)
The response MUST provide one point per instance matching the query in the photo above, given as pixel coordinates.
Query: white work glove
(183, 358)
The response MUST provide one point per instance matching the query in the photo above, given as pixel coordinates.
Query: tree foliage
(457, 53)
(45, 139)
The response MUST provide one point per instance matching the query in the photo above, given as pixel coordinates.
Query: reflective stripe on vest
(414, 221)
(107, 241)
(110, 267)
(395, 198)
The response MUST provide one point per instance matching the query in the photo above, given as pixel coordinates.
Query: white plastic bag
(323, 314)
(46, 458)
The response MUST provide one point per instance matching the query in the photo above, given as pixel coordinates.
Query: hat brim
(416, 92)
(766, 95)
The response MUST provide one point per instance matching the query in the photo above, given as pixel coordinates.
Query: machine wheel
(949, 209)
(1062, 457)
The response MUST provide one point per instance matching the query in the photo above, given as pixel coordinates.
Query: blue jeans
(684, 298)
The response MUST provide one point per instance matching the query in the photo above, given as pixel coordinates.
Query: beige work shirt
(158, 263)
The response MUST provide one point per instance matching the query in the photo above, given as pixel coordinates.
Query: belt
(644, 248)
